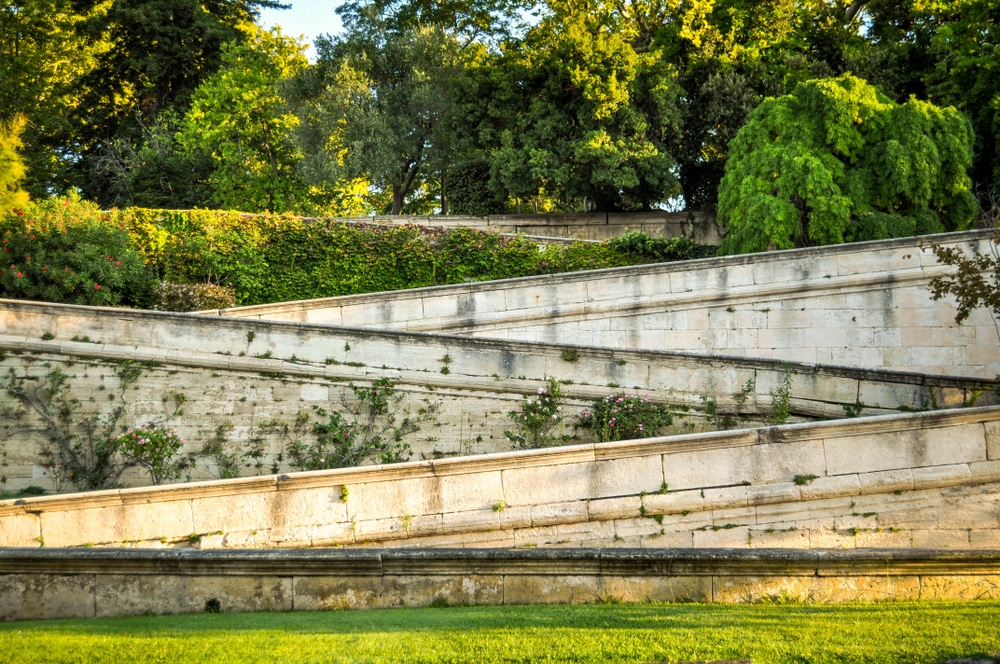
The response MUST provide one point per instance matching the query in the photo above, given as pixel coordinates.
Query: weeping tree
(837, 161)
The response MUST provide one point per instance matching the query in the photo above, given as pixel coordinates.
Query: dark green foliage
(469, 191)
(538, 419)
(660, 250)
(838, 161)
(64, 250)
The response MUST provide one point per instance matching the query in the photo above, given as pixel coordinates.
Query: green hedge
(276, 258)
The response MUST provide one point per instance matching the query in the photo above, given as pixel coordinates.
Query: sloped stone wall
(862, 305)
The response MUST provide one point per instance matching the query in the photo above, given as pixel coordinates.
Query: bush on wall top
(117, 257)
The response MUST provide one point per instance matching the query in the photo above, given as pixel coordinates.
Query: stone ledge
(615, 562)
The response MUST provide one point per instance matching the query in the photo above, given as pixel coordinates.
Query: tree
(237, 121)
(838, 161)
(11, 166)
(578, 113)
(373, 108)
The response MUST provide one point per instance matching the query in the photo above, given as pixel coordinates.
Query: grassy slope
(886, 632)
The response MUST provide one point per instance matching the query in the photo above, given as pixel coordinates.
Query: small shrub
(154, 448)
(537, 419)
(621, 416)
(169, 296)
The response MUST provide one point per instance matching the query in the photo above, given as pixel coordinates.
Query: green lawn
(887, 632)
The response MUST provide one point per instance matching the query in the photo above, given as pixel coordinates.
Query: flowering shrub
(369, 429)
(153, 447)
(169, 296)
(623, 416)
(67, 250)
(538, 418)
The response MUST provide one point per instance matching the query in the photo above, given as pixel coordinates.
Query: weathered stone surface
(138, 595)
(20, 530)
(45, 596)
(534, 589)
(960, 587)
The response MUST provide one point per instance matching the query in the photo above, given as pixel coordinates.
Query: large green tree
(239, 123)
(373, 108)
(838, 161)
(578, 113)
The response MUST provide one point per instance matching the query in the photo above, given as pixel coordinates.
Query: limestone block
(673, 502)
(537, 589)
(425, 525)
(588, 533)
(940, 539)
(941, 476)
(315, 392)
(769, 494)
(46, 596)
(613, 508)
(905, 449)
(143, 594)
(689, 470)
(309, 506)
(725, 497)
(667, 539)
(992, 433)
(412, 590)
(827, 538)
(471, 520)
(960, 587)
(489, 539)
(516, 517)
(872, 539)
(985, 539)
(472, 491)
(631, 475)
(658, 588)
(378, 530)
(555, 513)
(737, 537)
(779, 538)
(97, 525)
(641, 527)
(414, 496)
(830, 487)
(533, 485)
(768, 515)
(886, 481)
(19, 530)
(244, 511)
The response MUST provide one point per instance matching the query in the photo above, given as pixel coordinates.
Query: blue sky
(309, 18)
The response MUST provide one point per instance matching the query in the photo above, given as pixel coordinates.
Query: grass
(884, 632)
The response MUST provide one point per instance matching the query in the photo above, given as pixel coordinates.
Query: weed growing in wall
(781, 396)
(621, 416)
(538, 419)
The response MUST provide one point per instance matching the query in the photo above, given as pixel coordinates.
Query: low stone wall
(863, 305)
(921, 480)
(237, 374)
(44, 584)
(580, 226)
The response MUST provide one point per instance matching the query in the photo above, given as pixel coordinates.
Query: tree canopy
(838, 161)
(553, 105)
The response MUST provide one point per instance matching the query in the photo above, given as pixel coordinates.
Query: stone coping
(501, 461)
(558, 561)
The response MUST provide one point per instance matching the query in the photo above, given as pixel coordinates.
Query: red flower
(97, 287)
(19, 275)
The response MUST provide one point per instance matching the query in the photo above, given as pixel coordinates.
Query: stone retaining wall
(921, 480)
(863, 305)
(80, 583)
(237, 374)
